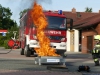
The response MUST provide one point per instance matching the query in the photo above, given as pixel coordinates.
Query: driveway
(14, 64)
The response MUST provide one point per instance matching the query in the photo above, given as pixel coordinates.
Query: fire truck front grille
(55, 37)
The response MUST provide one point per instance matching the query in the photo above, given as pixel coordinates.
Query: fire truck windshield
(55, 22)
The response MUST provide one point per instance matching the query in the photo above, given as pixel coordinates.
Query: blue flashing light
(59, 11)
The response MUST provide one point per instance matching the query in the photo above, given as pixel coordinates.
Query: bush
(4, 39)
(1, 41)
(6, 44)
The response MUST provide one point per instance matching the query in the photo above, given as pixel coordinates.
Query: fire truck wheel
(22, 51)
(27, 51)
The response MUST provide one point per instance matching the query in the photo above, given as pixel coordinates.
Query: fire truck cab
(55, 31)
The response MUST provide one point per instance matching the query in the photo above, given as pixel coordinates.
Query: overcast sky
(66, 5)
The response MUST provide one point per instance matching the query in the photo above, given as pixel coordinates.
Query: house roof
(83, 19)
(90, 21)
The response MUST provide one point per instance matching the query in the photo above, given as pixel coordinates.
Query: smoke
(19, 5)
(29, 3)
(45, 1)
(23, 4)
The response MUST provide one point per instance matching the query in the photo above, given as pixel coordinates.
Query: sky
(17, 6)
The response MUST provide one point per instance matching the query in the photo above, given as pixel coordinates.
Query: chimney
(99, 11)
(73, 10)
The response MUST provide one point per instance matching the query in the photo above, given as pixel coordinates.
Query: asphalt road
(13, 62)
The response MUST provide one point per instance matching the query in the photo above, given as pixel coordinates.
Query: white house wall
(68, 41)
(76, 41)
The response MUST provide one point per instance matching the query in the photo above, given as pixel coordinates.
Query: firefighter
(96, 52)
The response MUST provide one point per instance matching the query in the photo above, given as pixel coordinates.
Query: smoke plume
(19, 5)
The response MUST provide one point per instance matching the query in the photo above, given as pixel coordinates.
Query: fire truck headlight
(32, 43)
(34, 36)
(62, 45)
(63, 39)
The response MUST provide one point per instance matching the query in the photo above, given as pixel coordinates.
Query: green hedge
(1, 41)
(6, 44)
(4, 39)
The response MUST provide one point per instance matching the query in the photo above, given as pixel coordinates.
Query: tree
(14, 29)
(88, 9)
(5, 18)
(9, 36)
(7, 23)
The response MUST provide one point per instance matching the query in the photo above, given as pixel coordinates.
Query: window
(55, 22)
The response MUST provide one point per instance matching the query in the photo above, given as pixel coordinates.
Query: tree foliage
(88, 9)
(9, 35)
(7, 23)
(11, 32)
(5, 18)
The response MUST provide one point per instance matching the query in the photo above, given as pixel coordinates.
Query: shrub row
(4, 42)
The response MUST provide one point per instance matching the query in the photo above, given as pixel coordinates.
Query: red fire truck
(55, 31)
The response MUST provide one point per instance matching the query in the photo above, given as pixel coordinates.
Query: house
(85, 26)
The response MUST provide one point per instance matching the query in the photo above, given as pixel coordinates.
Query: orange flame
(40, 22)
